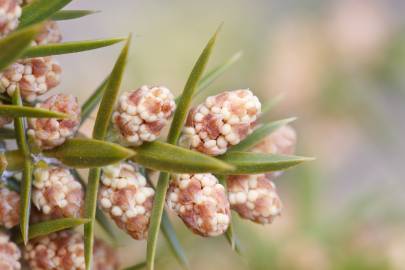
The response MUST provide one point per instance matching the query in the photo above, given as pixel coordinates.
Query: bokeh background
(339, 66)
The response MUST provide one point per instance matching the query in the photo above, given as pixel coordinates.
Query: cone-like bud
(104, 257)
(281, 142)
(221, 121)
(254, 197)
(4, 120)
(127, 198)
(9, 208)
(141, 114)
(50, 33)
(9, 254)
(50, 132)
(34, 77)
(201, 202)
(10, 12)
(58, 251)
(56, 193)
(64, 250)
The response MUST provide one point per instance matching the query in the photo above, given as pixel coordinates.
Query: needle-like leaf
(40, 10)
(89, 153)
(259, 134)
(91, 103)
(166, 157)
(180, 115)
(99, 132)
(101, 218)
(69, 47)
(62, 15)
(14, 45)
(25, 194)
(21, 111)
(255, 163)
(269, 105)
(138, 266)
(48, 227)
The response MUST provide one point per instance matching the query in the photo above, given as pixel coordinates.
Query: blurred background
(340, 67)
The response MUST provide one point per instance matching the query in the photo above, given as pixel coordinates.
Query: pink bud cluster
(254, 197)
(141, 114)
(56, 193)
(127, 198)
(9, 254)
(34, 77)
(201, 202)
(221, 121)
(50, 132)
(10, 12)
(9, 208)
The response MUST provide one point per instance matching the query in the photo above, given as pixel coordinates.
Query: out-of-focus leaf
(180, 115)
(214, 74)
(69, 47)
(141, 265)
(6, 133)
(15, 160)
(91, 103)
(89, 153)
(48, 227)
(255, 163)
(102, 220)
(40, 10)
(100, 132)
(14, 45)
(166, 157)
(259, 134)
(174, 244)
(269, 105)
(71, 14)
(25, 195)
(20, 111)
(110, 95)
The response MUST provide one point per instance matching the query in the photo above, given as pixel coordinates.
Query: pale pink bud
(50, 132)
(201, 202)
(221, 121)
(127, 197)
(56, 193)
(10, 12)
(9, 253)
(254, 197)
(9, 208)
(141, 114)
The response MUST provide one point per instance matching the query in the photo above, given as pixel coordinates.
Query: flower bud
(127, 198)
(56, 193)
(281, 142)
(254, 197)
(10, 12)
(221, 121)
(63, 250)
(4, 120)
(201, 202)
(104, 257)
(49, 34)
(50, 132)
(141, 114)
(34, 77)
(9, 208)
(9, 254)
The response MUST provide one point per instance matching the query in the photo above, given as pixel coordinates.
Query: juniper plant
(218, 155)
